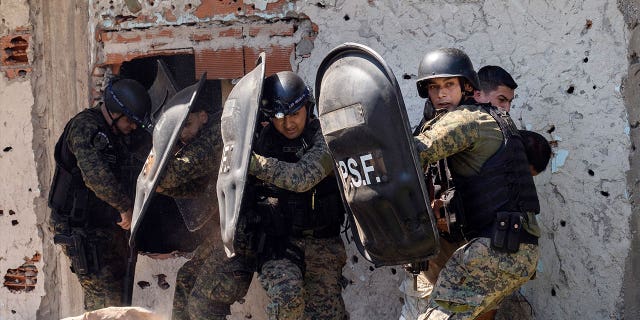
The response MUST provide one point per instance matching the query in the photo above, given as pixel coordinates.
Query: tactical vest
(72, 202)
(503, 184)
(318, 212)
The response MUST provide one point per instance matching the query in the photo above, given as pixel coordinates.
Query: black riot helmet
(445, 63)
(284, 93)
(130, 98)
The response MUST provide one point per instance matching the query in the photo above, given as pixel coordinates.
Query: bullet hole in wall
(588, 24)
(162, 281)
(14, 222)
(13, 311)
(144, 284)
(173, 7)
(23, 278)
(406, 76)
(393, 271)
(591, 173)
(553, 292)
(7, 149)
(571, 89)
(354, 259)
(604, 193)
(151, 3)
(320, 5)
(563, 223)
(594, 87)
(371, 268)
(188, 6)
(551, 129)
(11, 212)
(30, 190)
(585, 60)
(346, 17)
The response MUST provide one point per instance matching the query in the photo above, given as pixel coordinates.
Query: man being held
(497, 87)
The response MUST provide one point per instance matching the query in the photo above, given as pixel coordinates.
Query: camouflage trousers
(477, 278)
(317, 294)
(209, 283)
(105, 287)
(417, 289)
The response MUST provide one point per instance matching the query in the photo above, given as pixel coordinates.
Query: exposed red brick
(112, 59)
(315, 27)
(23, 278)
(200, 37)
(165, 32)
(121, 37)
(235, 32)
(274, 29)
(212, 8)
(169, 16)
(13, 49)
(220, 64)
(16, 72)
(276, 8)
(143, 18)
(278, 58)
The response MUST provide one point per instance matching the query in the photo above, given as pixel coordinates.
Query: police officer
(90, 194)
(297, 202)
(209, 282)
(485, 156)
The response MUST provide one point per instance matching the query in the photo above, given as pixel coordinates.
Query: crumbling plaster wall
(21, 241)
(631, 11)
(569, 57)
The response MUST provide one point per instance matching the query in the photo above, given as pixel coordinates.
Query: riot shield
(367, 129)
(165, 135)
(163, 88)
(238, 121)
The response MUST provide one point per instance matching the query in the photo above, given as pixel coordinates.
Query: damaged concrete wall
(21, 261)
(569, 57)
(631, 11)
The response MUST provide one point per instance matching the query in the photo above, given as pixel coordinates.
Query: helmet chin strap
(114, 121)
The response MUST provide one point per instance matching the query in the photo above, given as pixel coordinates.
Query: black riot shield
(366, 127)
(165, 135)
(238, 121)
(163, 88)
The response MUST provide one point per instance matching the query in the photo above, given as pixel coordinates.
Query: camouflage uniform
(317, 293)
(476, 278)
(98, 154)
(204, 287)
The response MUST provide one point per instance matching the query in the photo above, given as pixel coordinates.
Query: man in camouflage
(300, 253)
(208, 283)
(488, 165)
(90, 194)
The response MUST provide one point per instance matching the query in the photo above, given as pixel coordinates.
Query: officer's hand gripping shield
(165, 136)
(239, 117)
(367, 129)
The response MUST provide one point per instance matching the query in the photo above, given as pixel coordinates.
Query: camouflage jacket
(468, 136)
(193, 166)
(87, 140)
(301, 176)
